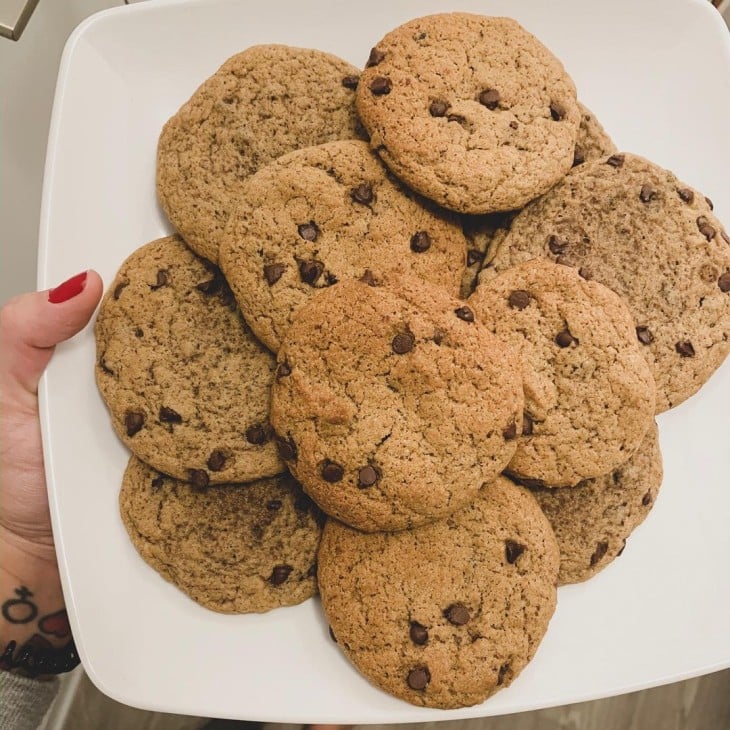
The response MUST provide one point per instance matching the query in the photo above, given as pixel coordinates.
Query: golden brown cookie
(261, 104)
(186, 383)
(394, 406)
(446, 614)
(593, 520)
(471, 111)
(589, 393)
(324, 214)
(235, 548)
(636, 228)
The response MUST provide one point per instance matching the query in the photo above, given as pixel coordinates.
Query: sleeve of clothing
(23, 701)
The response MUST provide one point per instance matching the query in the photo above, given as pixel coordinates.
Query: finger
(31, 325)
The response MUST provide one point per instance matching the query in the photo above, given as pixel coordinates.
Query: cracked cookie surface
(186, 382)
(589, 393)
(394, 406)
(446, 614)
(235, 548)
(471, 111)
(652, 239)
(261, 104)
(324, 214)
(593, 520)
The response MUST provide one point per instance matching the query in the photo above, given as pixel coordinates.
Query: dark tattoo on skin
(56, 624)
(20, 610)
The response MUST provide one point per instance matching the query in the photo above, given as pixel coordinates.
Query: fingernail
(68, 290)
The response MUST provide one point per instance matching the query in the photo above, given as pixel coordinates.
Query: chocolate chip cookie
(470, 111)
(636, 228)
(446, 614)
(324, 214)
(186, 382)
(589, 393)
(593, 520)
(394, 406)
(234, 549)
(261, 104)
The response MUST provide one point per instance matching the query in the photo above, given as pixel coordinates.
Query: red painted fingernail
(68, 290)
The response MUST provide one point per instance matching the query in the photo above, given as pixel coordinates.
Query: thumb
(31, 325)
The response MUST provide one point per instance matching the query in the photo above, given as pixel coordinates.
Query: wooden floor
(697, 704)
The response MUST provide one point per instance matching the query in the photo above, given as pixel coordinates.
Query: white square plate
(657, 74)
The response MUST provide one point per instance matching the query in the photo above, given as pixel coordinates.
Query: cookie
(186, 382)
(261, 104)
(393, 407)
(593, 520)
(652, 239)
(446, 614)
(235, 548)
(324, 214)
(471, 111)
(593, 142)
(589, 393)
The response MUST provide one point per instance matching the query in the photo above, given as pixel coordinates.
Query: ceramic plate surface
(657, 74)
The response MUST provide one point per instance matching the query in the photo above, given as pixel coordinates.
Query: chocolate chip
(161, 280)
(418, 633)
(685, 348)
(256, 434)
(490, 98)
(133, 422)
(350, 82)
(287, 449)
(513, 550)
(585, 273)
(705, 228)
(646, 499)
(438, 108)
(273, 272)
(616, 161)
(118, 289)
(557, 245)
(104, 366)
(599, 552)
(283, 370)
(368, 278)
(725, 236)
(381, 85)
(438, 336)
(308, 231)
(647, 194)
(419, 678)
(279, 574)
(474, 256)
(510, 432)
(519, 299)
(138, 332)
(465, 314)
(363, 194)
(367, 476)
(502, 672)
(644, 335)
(724, 282)
(686, 195)
(420, 242)
(709, 203)
(579, 156)
(332, 471)
(403, 342)
(513, 125)
(557, 111)
(158, 481)
(376, 56)
(457, 614)
(310, 271)
(527, 424)
(168, 415)
(273, 505)
(199, 479)
(330, 279)
(565, 339)
(216, 460)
